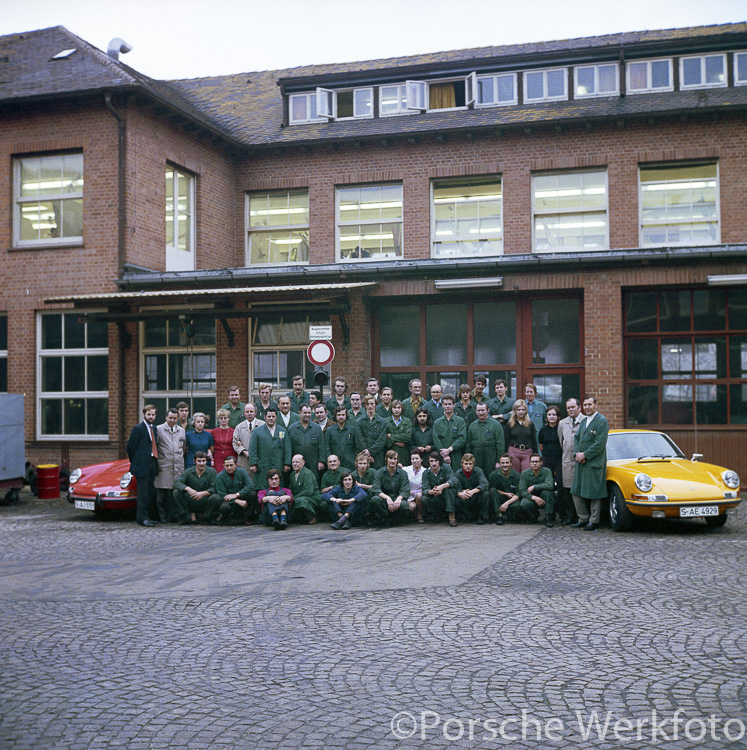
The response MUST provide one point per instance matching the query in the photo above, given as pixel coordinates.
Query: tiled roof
(247, 108)
(30, 70)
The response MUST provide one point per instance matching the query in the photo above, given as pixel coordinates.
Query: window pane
(710, 404)
(97, 418)
(155, 332)
(640, 312)
(677, 404)
(506, 88)
(98, 373)
(738, 308)
(155, 372)
(710, 358)
(75, 374)
(557, 389)
(643, 404)
(534, 87)
(643, 359)
(585, 81)
(399, 336)
(363, 106)
(98, 334)
(556, 83)
(446, 334)
(607, 79)
(738, 395)
(51, 332)
(494, 332)
(75, 332)
(265, 369)
(51, 416)
(709, 309)
(449, 381)
(399, 382)
(691, 71)
(660, 74)
(3, 375)
(555, 331)
(714, 69)
(51, 374)
(738, 357)
(676, 359)
(74, 418)
(674, 311)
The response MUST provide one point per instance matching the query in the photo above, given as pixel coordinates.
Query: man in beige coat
(567, 429)
(242, 434)
(170, 439)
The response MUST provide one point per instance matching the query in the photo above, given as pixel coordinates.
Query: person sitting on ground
(537, 490)
(276, 502)
(346, 502)
(504, 487)
(194, 492)
(307, 500)
(438, 494)
(472, 493)
(236, 494)
(391, 488)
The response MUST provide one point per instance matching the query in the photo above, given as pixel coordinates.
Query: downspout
(121, 231)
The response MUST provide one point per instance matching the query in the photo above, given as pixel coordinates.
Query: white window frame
(172, 395)
(702, 84)
(63, 353)
(339, 222)
(23, 204)
(309, 96)
(649, 88)
(717, 239)
(596, 93)
(495, 78)
(434, 239)
(326, 102)
(416, 94)
(545, 96)
(177, 258)
(571, 212)
(401, 100)
(737, 80)
(290, 228)
(4, 352)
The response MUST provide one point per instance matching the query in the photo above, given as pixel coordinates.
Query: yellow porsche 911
(649, 476)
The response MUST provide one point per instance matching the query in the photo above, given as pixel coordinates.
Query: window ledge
(47, 246)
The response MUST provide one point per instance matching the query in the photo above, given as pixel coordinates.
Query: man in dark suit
(143, 453)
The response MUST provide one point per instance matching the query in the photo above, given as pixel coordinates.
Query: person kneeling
(536, 490)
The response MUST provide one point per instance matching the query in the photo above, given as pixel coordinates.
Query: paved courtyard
(117, 636)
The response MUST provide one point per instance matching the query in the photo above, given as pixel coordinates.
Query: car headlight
(731, 479)
(76, 474)
(124, 482)
(643, 482)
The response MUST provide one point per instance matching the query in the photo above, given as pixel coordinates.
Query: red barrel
(48, 481)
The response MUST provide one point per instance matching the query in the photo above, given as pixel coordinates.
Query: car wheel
(621, 519)
(716, 521)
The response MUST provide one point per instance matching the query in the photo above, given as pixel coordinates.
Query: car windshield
(634, 445)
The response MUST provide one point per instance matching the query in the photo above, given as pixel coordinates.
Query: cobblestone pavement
(116, 636)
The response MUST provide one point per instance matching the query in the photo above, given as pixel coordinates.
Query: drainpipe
(121, 227)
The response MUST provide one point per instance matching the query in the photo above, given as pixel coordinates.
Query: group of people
(372, 460)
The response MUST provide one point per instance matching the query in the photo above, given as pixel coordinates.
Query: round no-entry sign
(320, 353)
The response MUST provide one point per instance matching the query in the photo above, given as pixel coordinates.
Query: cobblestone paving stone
(563, 625)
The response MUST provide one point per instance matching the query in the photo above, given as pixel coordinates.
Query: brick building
(568, 213)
